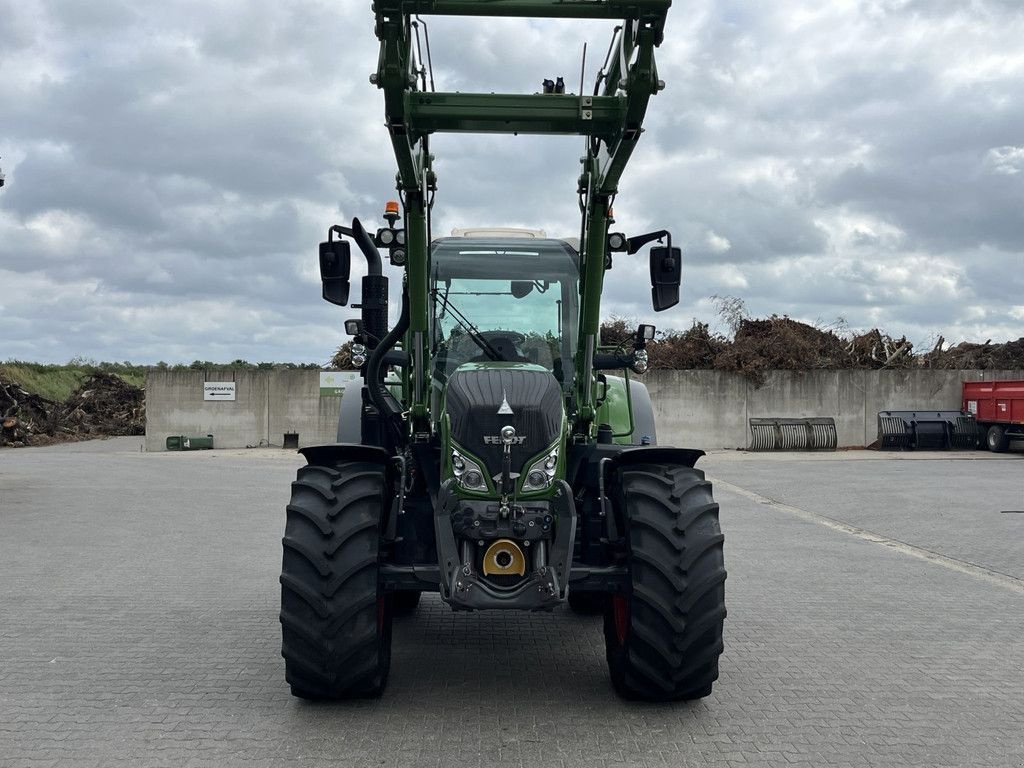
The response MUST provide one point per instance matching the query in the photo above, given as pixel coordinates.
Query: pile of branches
(24, 415)
(697, 347)
(981, 357)
(103, 406)
(875, 349)
(781, 343)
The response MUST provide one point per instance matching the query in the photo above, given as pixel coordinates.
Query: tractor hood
(481, 398)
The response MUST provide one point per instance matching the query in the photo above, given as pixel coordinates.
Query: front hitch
(464, 587)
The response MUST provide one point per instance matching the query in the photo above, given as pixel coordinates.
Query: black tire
(663, 636)
(335, 617)
(404, 603)
(587, 603)
(997, 440)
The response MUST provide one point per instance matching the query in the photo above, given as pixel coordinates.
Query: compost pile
(697, 347)
(103, 406)
(24, 415)
(987, 356)
(781, 343)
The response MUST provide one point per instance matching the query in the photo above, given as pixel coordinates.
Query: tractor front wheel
(335, 616)
(663, 635)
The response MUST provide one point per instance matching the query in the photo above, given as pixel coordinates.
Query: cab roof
(504, 257)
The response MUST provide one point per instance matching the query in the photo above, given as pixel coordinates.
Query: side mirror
(666, 277)
(335, 266)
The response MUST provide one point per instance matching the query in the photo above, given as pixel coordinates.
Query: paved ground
(138, 627)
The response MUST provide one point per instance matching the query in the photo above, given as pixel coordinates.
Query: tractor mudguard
(332, 453)
(658, 454)
(586, 462)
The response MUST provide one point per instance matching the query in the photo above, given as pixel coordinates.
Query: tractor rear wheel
(335, 616)
(404, 603)
(997, 440)
(663, 635)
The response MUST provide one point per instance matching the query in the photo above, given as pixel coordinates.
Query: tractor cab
(503, 300)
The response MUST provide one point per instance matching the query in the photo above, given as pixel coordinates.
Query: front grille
(473, 398)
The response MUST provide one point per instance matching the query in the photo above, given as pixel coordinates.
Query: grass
(57, 382)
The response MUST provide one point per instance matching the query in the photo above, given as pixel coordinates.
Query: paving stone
(138, 627)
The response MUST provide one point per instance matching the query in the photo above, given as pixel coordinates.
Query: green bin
(189, 443)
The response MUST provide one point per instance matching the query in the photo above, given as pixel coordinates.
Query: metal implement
(814, 434)
(926, 430)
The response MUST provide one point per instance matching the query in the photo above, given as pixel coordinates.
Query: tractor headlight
(541, 472)
(358, 355)
(640, 361)
(467, 473)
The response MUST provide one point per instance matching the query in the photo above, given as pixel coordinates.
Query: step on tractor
(492, 450)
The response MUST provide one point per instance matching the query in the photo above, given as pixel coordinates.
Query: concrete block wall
(268, 404)
(697, 409)
(705, 409)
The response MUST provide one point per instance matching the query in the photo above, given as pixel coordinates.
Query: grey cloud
(192, 155)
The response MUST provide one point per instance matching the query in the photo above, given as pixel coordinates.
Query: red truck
(998, 408)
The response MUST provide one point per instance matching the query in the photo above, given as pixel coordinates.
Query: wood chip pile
(780, 343)
(103, 406)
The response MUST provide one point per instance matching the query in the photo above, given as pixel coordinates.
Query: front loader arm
(611, 119)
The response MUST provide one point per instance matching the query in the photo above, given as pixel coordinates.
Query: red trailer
(998, 408)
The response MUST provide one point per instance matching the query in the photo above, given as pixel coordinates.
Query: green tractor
(487, 452)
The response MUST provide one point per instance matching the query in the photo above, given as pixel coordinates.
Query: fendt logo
(496, 440)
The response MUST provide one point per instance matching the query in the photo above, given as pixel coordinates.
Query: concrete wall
(703, 409)
(268, 404)
(710, 409)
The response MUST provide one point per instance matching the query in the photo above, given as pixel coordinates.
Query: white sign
(218, 390)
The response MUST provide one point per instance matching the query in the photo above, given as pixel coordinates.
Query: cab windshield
(502, 301)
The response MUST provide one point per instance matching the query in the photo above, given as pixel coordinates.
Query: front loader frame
(610, 118)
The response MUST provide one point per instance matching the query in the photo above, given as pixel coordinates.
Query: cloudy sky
(171, 166)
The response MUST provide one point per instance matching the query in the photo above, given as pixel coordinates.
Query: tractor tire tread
(677, 594)
(335, 636)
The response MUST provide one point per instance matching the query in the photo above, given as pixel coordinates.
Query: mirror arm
(358, 233)
(634, 244)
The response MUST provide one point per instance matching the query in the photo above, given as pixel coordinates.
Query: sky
(170, 167)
